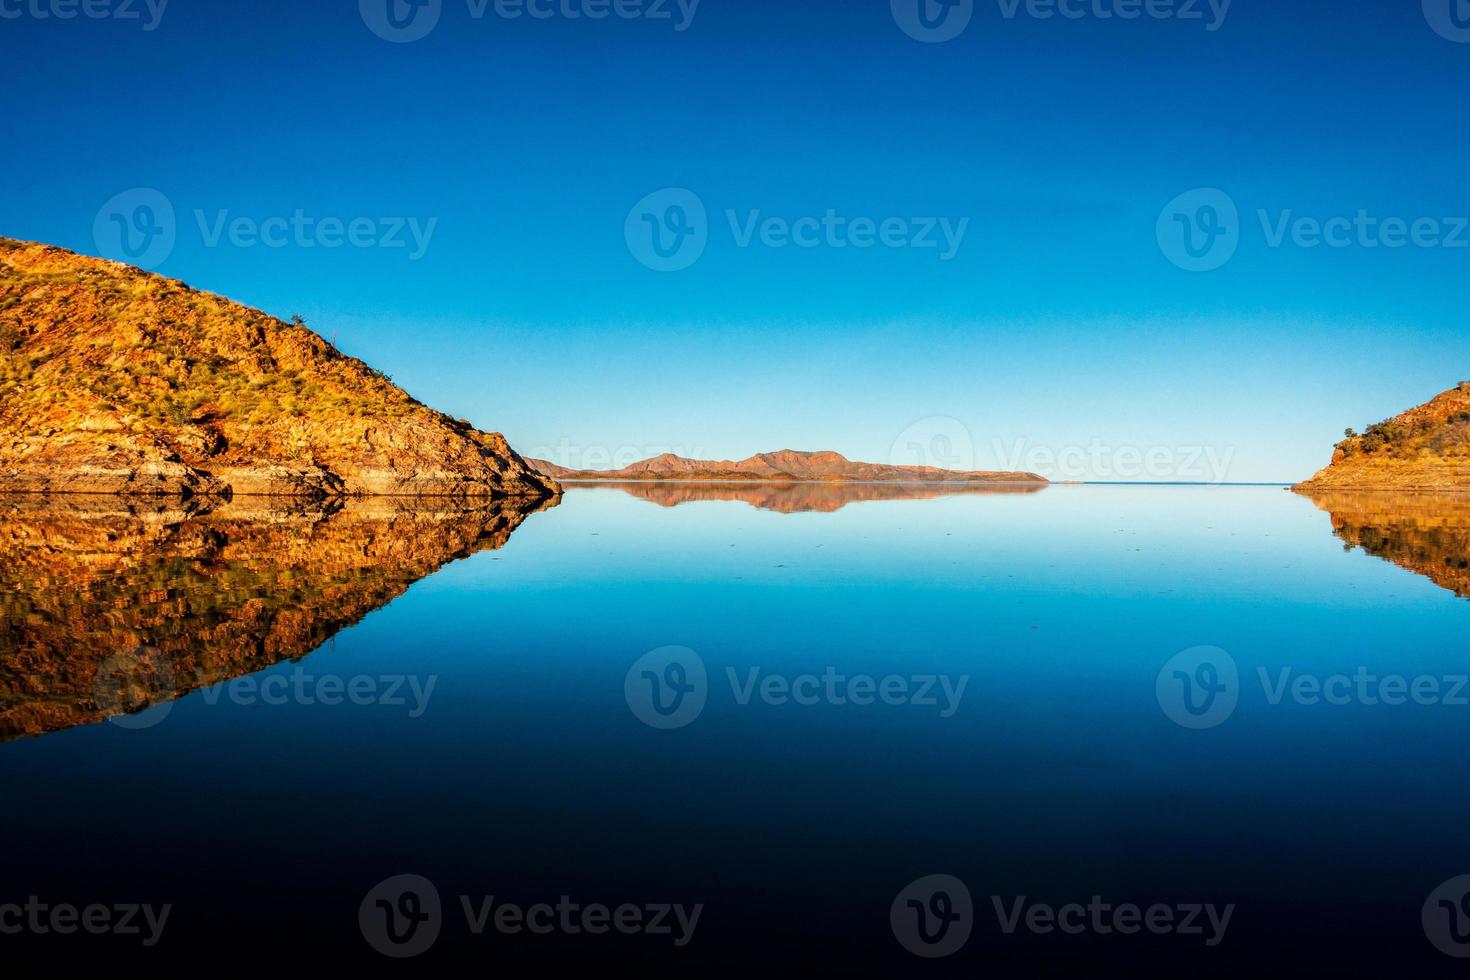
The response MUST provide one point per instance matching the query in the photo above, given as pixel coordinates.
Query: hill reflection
(109, 605)
(793, 498)
(1427, 533)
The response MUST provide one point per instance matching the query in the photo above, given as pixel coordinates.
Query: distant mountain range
(787, 465)
(1425, 448)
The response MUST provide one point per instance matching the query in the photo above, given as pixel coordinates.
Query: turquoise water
(1050, 767)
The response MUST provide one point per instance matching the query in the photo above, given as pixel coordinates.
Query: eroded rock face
(113, 380)
(111, 604)
(1425, 448)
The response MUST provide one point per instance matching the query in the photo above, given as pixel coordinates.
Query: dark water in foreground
(1229, 724)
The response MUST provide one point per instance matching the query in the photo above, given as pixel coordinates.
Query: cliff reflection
(1427, 533)
(792, 498)
(108, 605)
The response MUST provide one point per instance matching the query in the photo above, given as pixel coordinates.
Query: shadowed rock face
(1427, 533)
(108, 606)
(114, 380)
(791, 498)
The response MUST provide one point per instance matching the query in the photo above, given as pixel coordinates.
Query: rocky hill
(114, 380)
(1425, 448)
(787, 465)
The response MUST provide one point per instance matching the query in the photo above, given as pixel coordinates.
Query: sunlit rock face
(1427, 533)
(108, 605)
(1426, 448)
(115, 380)
(791, 498)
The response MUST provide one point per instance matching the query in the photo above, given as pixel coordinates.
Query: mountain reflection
(792, 498)
(1427, 533)
(109, 605)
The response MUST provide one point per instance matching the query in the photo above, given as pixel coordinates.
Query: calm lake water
(787, 707)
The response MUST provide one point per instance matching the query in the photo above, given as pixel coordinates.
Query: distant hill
(114, 380)
(1425, 448)
(788, 465)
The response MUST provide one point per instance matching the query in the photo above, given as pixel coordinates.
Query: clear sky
(1058, 317)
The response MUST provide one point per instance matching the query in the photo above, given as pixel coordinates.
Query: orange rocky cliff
(1425, 448)
(114, 380)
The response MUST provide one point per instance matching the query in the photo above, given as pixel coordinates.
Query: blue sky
(1059, 322)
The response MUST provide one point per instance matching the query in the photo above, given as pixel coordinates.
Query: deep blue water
(1058, 776)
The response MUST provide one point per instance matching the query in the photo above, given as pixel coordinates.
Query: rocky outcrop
(114, 380)
(110, 604)
(1425, 448)
(787, 465)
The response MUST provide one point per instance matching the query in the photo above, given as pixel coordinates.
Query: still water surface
(892, 683)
